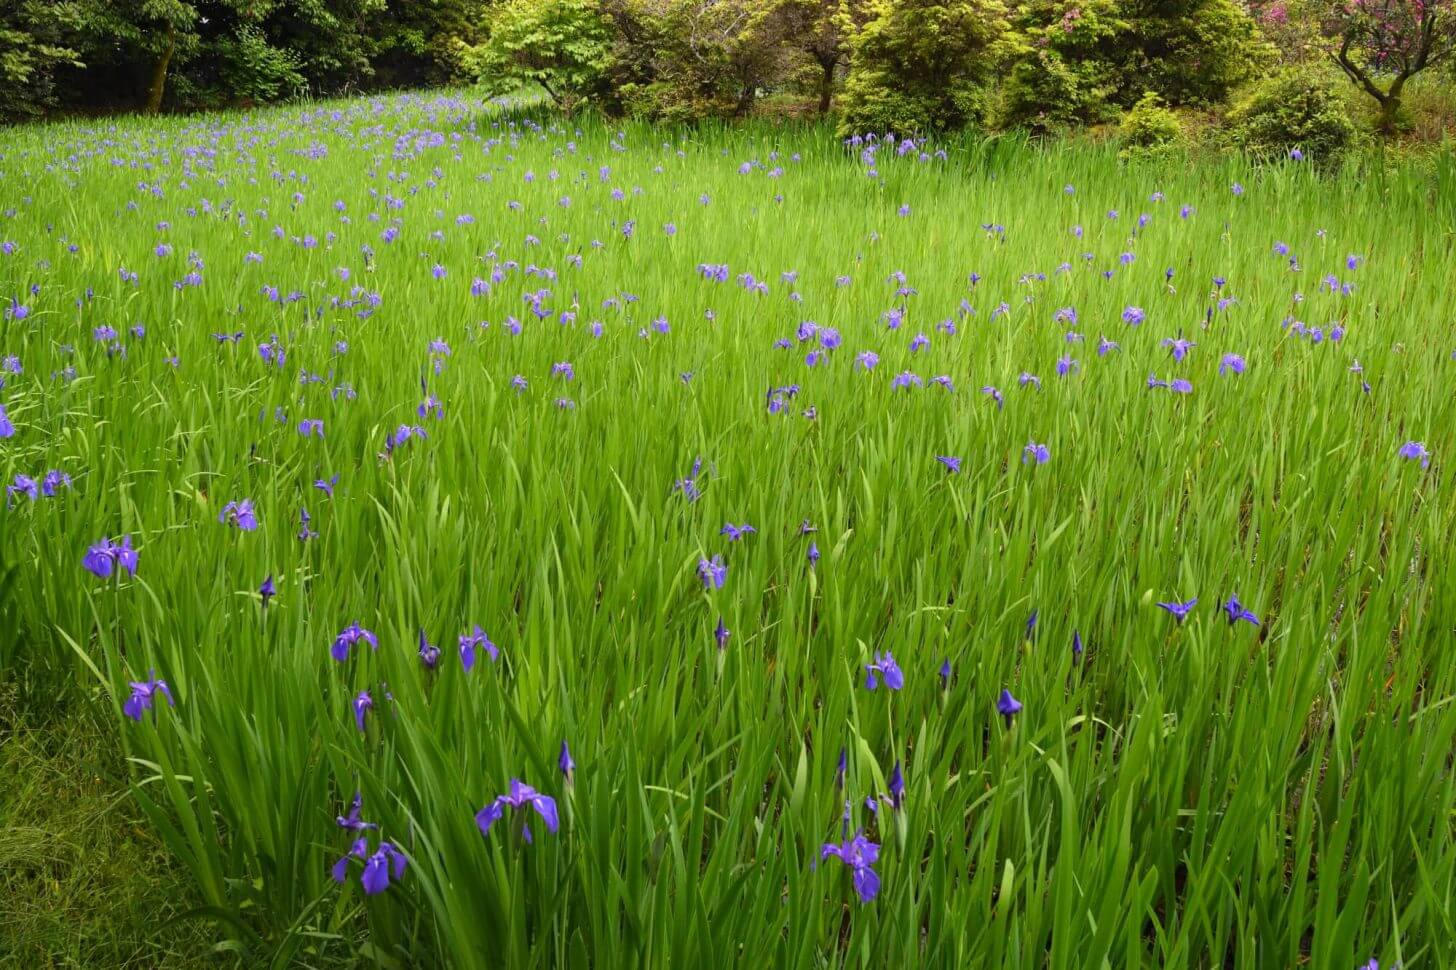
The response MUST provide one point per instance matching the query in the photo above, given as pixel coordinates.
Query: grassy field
(997, 413)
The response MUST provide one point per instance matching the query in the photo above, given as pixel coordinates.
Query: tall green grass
(1183, 795)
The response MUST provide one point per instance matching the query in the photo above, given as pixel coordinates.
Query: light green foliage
(1149, 130)
(1293, 110)
(562, 45)
(922, 65)
(254, 69)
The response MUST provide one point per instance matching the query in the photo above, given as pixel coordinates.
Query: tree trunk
(826, 88)
(1390, 106)
(745, 101)
(158, 83)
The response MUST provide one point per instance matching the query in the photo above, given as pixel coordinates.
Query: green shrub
(1085, 61)
(921, 65)
(1294, 110)
(1150, 130)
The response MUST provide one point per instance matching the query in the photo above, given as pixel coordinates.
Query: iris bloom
(1007, 706)
(240, 514)
(377, 867)
(859, 854)
(736, 532)
(1237, 612)
(565, 763)
(1231, 363)
(267, 591)
(884, 667)
(429, 653)
(721, 634)
(1180, 610)
(951, 463)
(348, 637)
(1179, 347)
(1416, 450)
(712, 572)
(144, 693)
(470, 641)
(103, 557)
(520, 797)
(995, 395)
(1033, 451)
(363, 704)
(351, 822)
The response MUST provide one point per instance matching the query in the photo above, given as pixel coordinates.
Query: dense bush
(1087, 60)
(1292, 110)
(1150, 130)
(922, 65)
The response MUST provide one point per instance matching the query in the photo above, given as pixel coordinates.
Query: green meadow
(763, 326)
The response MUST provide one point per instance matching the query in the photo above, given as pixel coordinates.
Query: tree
(35, 39)
(1388, 42)
(562, 45)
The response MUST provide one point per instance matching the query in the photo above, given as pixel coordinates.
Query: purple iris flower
(103, 557)
(144, 693)
(945, 672)
(713, 572)
(995, 395)
(736, 532)
(468, 644)
(1414, 450)
(1033, 451)
(377, 867)
(402, 434)
(813, 554)
(1104, 346)
(951, 463)
(1231, 363)
(240, 514)
(327, 485)
(520, 797)
(897, 787)
(1065, 366)
(884, 667)
(565, 763)
(859, 854)
(1237, 612)
(1076, 645)
(721, 634)
(1024, 379)
(1181, 385)
(311, 427)
(24, 485)
(867, 359)
(52, 481)
(429, 653)
(1031, 624)
(304, 532)
(1007, 706)
(348, 637)
(1180, 346)
(267, 591)
(363, 704)
(352, 822)
(905, 379)
(1180, 610)
(1133, 315)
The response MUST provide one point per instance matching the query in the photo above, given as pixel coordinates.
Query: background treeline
(108, 55)
(1266, 76)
